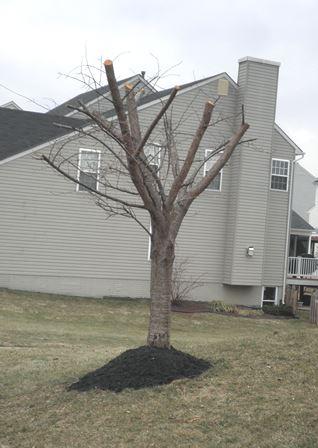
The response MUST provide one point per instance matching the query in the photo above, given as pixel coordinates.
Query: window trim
(281, 175)
(276, 294)
(206, 152)
(79, 170)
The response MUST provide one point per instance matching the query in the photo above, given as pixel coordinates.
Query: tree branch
(91, 190)
(178, 182)
(219, 164)
(158, 118)
(118, 104)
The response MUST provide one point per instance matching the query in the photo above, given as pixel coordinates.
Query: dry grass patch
(261, 392)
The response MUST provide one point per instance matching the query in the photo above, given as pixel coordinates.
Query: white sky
(41, 38)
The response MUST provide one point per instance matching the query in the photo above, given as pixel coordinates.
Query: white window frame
(79, 170)
(280, 175)
(276, 294)
(157, 146)
(205, 170)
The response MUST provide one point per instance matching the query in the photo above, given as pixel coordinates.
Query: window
(269, 296)
(88, 169)
(152, 152)
(216, 183)
(279, 175)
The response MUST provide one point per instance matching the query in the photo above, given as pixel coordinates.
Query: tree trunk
(162, 258)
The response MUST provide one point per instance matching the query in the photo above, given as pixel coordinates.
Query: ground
(262, 390)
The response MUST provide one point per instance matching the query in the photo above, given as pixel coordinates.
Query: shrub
(279, 310)
(217, 306)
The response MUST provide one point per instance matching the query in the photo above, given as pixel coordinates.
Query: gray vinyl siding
(48, 229)
(203, 233)
(277, 219)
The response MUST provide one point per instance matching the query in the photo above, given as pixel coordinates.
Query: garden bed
(192, 307)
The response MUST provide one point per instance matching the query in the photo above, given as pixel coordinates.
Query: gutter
(291, 191)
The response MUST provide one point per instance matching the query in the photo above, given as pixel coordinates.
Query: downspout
(291, 191)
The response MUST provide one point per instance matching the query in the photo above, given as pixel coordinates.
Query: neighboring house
(53, 238)
(313, 211)
(11, 105)
(302, 266)
(305, 202)
(300, 236)
(305, 195)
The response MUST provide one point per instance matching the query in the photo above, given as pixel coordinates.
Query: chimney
(258, 80)
(250, 168)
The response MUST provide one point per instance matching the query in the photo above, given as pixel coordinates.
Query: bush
(279, 310)
(217, 306)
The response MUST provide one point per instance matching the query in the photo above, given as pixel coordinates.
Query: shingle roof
(21, 130)
(85, 98)
(297, 222)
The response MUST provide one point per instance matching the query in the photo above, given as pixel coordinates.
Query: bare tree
(163, 183)
(182, 284)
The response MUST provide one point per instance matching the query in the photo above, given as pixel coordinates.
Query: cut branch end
(108, 62)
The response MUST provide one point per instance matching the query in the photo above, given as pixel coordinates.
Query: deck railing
(302, 267)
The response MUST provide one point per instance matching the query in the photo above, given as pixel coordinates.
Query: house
(305, 195)
(53, 238)
(305, 203)
(302, 268)
(11, 105)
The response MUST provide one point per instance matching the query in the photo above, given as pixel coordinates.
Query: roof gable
(283, 134)
(298, 223)
(90, 97)
(160, 95)
(11, 105)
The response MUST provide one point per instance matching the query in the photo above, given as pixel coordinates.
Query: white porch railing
(303, 267)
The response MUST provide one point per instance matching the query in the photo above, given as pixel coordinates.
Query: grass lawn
(261, 392)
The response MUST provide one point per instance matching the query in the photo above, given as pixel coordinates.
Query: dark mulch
(142, 367)
(191, 306)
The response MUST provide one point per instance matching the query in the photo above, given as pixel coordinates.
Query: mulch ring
(142, 367)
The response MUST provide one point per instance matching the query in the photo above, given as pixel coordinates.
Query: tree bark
(162, 258)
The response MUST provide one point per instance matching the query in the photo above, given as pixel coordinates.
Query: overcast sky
(42, 38)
